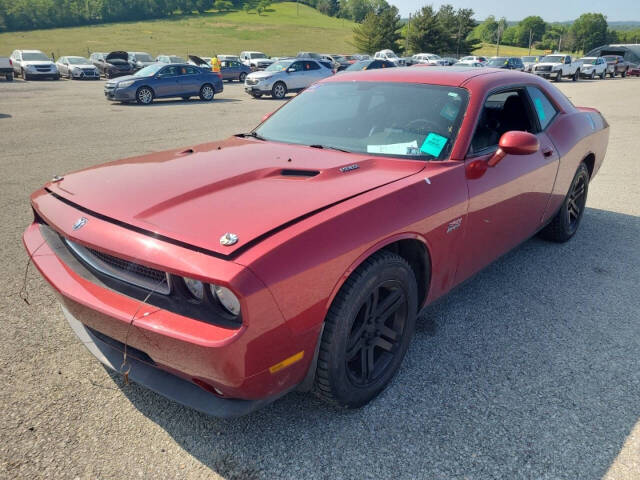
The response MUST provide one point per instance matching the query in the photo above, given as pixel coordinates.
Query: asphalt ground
(529, 371)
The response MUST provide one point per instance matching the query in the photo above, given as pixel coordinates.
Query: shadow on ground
(530, 370)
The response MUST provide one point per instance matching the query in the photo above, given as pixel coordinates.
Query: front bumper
(120, 94)
(47, 74)
(162, 382)
(550, 74)
(230, 364)
(80, 75)
(260, 88)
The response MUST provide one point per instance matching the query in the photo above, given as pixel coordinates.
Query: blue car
(160, 80)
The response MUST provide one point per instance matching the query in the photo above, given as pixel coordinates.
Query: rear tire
(367, 331)
(9, 77)
(603, 75)
(144, 96)
(624, 74)
(242, 77)
(207, 92)
(566, 222)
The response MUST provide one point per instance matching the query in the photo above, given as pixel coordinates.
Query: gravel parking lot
(531, 370)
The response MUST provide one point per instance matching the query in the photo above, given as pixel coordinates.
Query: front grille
(543, 68)
(44, 68)
(263, 64)
(130, 272)
(89, 71)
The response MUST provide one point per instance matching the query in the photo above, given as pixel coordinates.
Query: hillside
(279, 31)
(489, 50)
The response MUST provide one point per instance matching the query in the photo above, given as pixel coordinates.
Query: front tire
(593, 75)
(367, 331)
(576, 76)
(558, 77)
(9, 77)
(624, 74)
(279, 90)
(566, 222)
(144, 96)
(206, 92)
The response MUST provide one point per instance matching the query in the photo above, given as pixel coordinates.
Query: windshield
(467, 59)
(339, 58)
(391, 55)
(553, 59)
(78, 61)
(31, 56)
(358, 65)
(587, 60)
(258, 55)
(279, 66)
(375, 118)
(149, 70)
(530, 59)
(497, 62)
(144, 57)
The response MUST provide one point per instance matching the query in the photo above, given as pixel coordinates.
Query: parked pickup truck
(255, 60)
(616, 64)
(558, 65)
(6, 68)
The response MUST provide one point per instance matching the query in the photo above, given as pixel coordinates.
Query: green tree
(486, 31)
(424, 32)
(510, 36)
(222, 5)
(378, 31)
(590, 30)
(534, 26)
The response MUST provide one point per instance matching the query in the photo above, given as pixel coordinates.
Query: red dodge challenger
(299, 255)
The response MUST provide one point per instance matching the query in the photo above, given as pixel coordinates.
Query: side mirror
(514, 143)
(289, 70)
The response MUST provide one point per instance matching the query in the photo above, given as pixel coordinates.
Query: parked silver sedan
(285, 76)
(77, 68)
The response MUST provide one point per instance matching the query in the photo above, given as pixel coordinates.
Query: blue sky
(550, 10)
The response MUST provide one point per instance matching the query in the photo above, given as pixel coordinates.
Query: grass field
(280, 31)
(489, 50)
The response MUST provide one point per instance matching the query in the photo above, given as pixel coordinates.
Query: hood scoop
(292, 172)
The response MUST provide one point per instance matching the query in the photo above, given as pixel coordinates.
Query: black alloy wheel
(566, 222)
(367, 331)
(375, 333)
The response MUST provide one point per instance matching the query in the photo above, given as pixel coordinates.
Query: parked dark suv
(509, 63)
(616, 64)
(114, 64)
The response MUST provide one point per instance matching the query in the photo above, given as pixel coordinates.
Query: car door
(295, 78)
(508, 202)
(166, 81)
(189, 80)
(313, 72)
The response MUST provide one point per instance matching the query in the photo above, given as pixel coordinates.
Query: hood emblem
(228, 239)
(81, 222)
(348, 168)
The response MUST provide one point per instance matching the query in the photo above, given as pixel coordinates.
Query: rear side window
(543, 107)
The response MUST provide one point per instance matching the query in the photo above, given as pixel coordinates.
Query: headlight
(195, 287)
(126, 84)
(226, 298)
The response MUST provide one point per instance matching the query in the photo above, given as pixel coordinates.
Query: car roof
(432, 75)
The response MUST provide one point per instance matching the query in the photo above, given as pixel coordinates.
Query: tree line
(587, 32)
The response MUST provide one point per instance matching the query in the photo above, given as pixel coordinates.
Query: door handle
(547, 151)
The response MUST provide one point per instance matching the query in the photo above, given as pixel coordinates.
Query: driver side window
(502, 112)
(295, 67)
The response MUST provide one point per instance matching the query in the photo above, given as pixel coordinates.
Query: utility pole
(459, 32)
(530, 38)
(499, 32)
(560, 44)
(406, 39)
(297, 8)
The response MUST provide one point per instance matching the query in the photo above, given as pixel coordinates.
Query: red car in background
(634, 70)
(298, 255)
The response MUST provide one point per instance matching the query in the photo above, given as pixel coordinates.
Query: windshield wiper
(255, 135)
(329, 147)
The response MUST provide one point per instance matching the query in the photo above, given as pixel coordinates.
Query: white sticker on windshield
(393, 148)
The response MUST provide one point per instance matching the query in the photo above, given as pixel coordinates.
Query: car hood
(82, 65)
(262, 74)
(243, 186)
(549, 64)
(37, 62)
(117, 55)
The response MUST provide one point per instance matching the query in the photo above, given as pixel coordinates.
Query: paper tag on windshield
(393, 148)
(433, 144)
